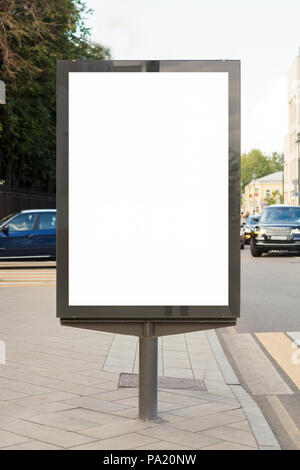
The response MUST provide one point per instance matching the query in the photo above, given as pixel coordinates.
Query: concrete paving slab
(163, 445)
(57, 420)
(32, 445)
(243, 425)
(180, 437)
(96, 404)
(8, 438)
(206, 422)
(117, 429)
(116, 395)
(93, 416)
(230, 434)
(203, 410)
(37, 400)
(124, 442)
(44, 433)
(182, 400)
(227, 445)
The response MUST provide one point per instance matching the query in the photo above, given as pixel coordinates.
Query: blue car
(28, 234)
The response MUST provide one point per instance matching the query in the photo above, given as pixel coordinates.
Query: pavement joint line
(285, 419)
(135, 357)
(223, 363)
(258, 423)
(162, 355)
(188, 354)
(108, 352)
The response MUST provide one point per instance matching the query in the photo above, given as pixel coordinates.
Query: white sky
(263, 34)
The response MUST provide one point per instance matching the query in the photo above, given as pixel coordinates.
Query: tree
(262, 165)
(34, 34)
(272, 200)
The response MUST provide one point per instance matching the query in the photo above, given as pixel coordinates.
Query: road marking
(231, 330)
(18, 276)
(295, 335)
(41, 276)
(28, 277)
(21, 281)
(285, 419)
(28, 285)
(280, 347)
(27, 273)
(256, 369)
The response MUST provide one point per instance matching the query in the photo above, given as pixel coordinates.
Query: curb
(223, 363)
(258, 423)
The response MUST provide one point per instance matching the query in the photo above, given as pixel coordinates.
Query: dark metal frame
(199, 317)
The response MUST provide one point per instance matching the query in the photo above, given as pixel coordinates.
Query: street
(270, 294)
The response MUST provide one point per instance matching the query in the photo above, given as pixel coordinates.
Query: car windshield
(281, 215)
(5, 219)
(253, 220)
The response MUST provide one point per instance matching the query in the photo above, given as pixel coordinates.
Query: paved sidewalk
(59, 388)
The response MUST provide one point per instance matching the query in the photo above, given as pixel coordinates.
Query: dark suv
(246, 229)
(277, 229)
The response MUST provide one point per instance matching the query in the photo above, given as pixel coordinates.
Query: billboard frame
(112, 318)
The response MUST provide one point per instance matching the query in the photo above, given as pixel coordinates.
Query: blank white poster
(148, 188)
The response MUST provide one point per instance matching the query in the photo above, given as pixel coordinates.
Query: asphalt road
(270, 292)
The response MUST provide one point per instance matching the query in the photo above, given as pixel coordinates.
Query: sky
(263, 34)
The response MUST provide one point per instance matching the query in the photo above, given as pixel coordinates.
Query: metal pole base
(148, 378)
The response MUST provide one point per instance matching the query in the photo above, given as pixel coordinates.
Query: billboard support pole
(148, 374)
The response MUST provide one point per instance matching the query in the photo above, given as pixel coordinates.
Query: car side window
(21, 222)
(47, 221)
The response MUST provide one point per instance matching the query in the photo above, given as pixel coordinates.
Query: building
(292, 140)
(259, 191)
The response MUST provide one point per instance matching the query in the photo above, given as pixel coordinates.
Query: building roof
(272, 178)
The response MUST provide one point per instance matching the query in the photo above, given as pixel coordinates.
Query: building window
(292, 111)
(292, 146)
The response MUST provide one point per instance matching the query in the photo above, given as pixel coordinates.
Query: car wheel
(242, 247)
(254, 251)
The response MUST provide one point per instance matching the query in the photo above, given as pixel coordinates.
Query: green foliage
(34, 34)
(272, 200)
(262, 165)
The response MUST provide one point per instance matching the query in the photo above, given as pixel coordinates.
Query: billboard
(148, 192)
